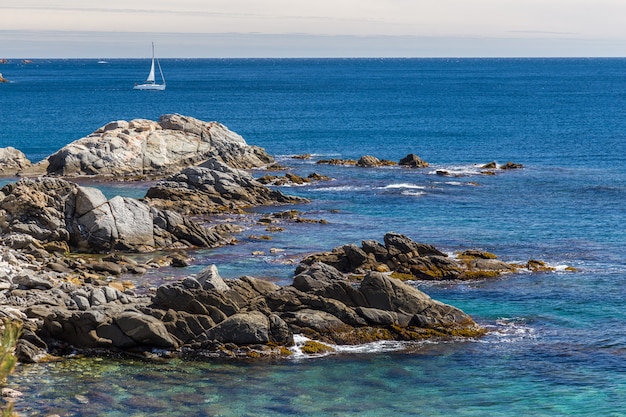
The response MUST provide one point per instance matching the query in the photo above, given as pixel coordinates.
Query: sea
(556, 344)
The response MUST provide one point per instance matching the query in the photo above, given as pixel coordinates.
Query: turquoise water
(557, 341)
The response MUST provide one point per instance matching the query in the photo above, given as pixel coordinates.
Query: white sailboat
(150, 83)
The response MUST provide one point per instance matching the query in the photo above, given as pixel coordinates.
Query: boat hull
(158, 87)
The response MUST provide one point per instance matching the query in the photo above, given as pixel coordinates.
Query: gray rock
(389, 294)
(317, 320)
(111, 294)
(87, 199)
(384, 293)
(133, 222)
(144, 147)
(242, 329)
(210, 279)
(32, 281)
(12, 160)
(213, 187)
(81, 301)
(144, 330)
(97, 297)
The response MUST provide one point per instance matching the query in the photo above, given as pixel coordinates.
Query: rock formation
(211, 188)
(368, 161)
(413, 161)
(12, 160)
(207, 315)
(147, 148)
(53, 210)
(410, 260)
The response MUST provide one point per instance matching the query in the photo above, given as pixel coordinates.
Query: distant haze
(320, 28)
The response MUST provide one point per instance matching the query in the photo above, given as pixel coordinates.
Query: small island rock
(413, 161)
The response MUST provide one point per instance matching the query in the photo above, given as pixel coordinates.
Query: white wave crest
(413, 193)
(508, 330)
(374, 347)
(403, 185)
(340, 188)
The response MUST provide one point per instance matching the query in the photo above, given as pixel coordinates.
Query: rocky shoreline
(61, 243)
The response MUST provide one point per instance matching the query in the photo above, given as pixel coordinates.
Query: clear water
(557, 344)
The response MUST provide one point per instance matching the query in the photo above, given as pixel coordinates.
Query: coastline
(328, 306)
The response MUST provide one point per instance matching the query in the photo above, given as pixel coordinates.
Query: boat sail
(150, 83)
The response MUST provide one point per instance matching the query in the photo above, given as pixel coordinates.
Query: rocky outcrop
(508, 165)
(205, 314)
(409, 260)
(53, 210)
(12, 160)
(366, 161)
(148, 148)
(413, 161)
(369, 161)
(511, 165)
(211, 188)
(291, 179)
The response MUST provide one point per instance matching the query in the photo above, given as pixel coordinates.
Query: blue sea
(557, 340)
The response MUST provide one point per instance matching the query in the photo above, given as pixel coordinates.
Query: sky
(312, 28)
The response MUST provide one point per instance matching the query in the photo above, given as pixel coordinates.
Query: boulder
(209, 278)
(12, 160)
(143, 147)
(144, 330)
(388, 294)
(413, 161)
(242, 329)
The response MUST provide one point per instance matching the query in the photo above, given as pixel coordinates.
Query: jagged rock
(59, 215)
(407, 259)
(413, 161)
(242, 329)
(213, 188)
(12, 160)
(369, 161)
(144, 330)
(384, 293)
(322, 304)
(336, 161)
(30, 348)
(209, 278)
(511, 165)
(32, 281)
(144, 147)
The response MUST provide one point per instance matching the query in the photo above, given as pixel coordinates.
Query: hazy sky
(312, 28)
